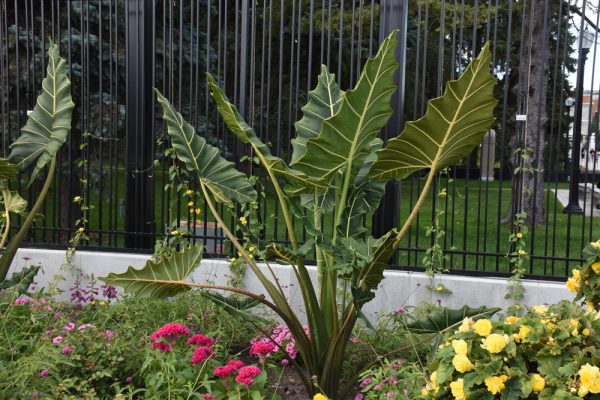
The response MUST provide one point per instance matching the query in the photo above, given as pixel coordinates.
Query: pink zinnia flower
(247, 374)
(69, 327)
(400, 310)
(161, 346)
(208, 396)
(67, 350)
(43, 373)
(171, 332)
(57, 340)
(201, 340)
(109, 334)
(359, 397)
(85, 326)
(201, 354)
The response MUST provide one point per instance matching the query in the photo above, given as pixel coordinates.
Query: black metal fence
(267, 54)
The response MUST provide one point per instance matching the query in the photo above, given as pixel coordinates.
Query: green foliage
(159, 279)
(445, 319)
(540, 355)
(22, 279)
(585, 281)
(340, 174)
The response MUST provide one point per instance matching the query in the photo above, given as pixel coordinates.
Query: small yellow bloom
(232, 259)
(495, 343)
(495, 384)
(439, 288)
(540, 310)
(191, 210)
(466, 326)
(460, 347)
(76, 199)
(521, 252)
(198, 211)
(520, 235)
(443, 193)
(3, 215)
(524, 331)
(102, 303)
(483, 327)
(573, 323)
(190, 203)
(462, 363)
(458, 389)
(198, 221)
(572, 285)
(550, 325)
(189, 192)
(575, 332)
(81, 229)
(320, 397)
(93, 302)
(174, 232)
(596, 267)
(243, 220)
(585, 332)
(250, 256)
(433, 380)
(537, 383)
(251, 248)
(590, 378)
(512, 320)
(590, 305)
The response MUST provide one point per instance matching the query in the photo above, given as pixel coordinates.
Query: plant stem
(13, 245)
(7, 227)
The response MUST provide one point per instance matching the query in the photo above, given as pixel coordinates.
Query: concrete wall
(397, 289)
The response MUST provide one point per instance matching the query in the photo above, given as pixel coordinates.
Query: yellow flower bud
(537, 383)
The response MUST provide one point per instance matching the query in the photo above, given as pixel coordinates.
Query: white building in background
(591, 101)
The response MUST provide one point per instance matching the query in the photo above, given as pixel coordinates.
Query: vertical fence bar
(139, 194)
(393, 15)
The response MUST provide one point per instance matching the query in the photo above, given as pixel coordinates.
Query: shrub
(585, 281)
(549, 353)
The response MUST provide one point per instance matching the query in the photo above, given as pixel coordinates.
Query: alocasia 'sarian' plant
(338, 170)
(42, 136)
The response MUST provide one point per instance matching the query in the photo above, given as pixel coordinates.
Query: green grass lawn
(470, 220)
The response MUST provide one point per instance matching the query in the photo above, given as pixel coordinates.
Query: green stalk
(13, 245)
(6, 228)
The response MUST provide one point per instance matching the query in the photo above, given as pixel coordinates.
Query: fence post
(139, 134)
(393, 14)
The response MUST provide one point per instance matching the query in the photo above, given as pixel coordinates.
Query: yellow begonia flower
(586, 332)
(550, 325)
(573, 323)
(590, 378)
(519, 235)
(495, 384)
(320, 397)
(483, 327)
(460, 347)
(583, 391)
(188, 192)
(458, 389)
(495, 343)
(251, 248)
(572, 285)
(537, 383)
(512, 320)
(596, 267)
(524, 331)
(540, 310)
(466, 326)
(590, 305)
(243, 220)
(462, 363)
(433, 381)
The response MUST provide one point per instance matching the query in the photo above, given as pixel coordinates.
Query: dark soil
(291, 387)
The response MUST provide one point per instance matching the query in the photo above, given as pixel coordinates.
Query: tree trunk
(529, 140)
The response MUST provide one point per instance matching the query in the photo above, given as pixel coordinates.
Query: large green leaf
(219, 175)
(22, 279)
(323, 102)
(13, 202)
(159, 279)
(7, 169)
(448, 318)
(345, 139)
(452, 126)
(48, 124)
(246, 134)
(236, 305)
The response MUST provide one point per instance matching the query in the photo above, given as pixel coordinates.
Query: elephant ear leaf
(165, 278)
(448, 318)
(323, 102)
(452, 126)
(13, 202)
(22, 279)
(236, 306)
(48, 124)
(219, 175)
(246, 134)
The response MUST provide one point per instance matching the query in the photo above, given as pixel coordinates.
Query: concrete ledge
(397, 289)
